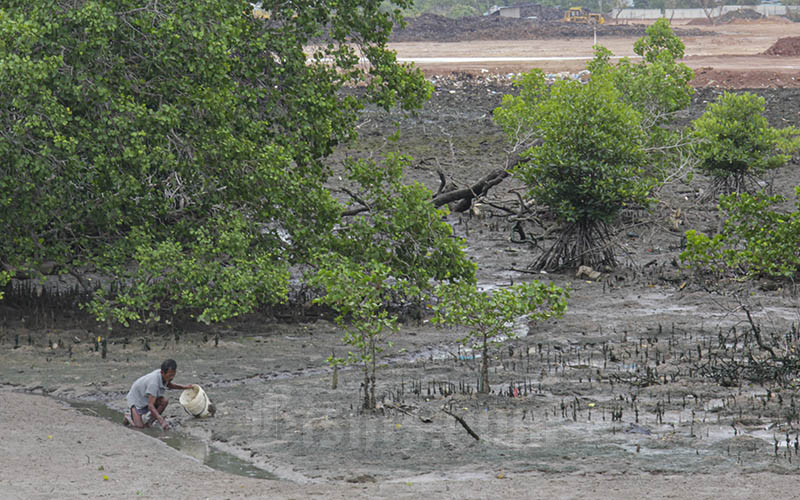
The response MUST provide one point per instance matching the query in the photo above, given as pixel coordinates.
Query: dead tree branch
(462, 422)
(466, 195)
(757, 334)
(442, 183)
(421, 418)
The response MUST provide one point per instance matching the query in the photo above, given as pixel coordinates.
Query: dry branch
(463, 423)
(463, 196)
(421, 418)
(466, 195)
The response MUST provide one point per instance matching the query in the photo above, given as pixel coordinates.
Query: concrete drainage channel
(193, 447)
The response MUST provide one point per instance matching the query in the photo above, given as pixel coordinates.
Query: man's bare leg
(161, 405)
(136, 419)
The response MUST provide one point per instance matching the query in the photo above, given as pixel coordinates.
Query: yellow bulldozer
(580, 15)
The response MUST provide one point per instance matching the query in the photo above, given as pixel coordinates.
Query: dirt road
(734, 47)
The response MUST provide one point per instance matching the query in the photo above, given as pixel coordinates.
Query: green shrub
(737, 145)
(756, 240)
(586, 165)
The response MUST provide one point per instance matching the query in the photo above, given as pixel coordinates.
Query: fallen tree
(465, 196)
(462, 198)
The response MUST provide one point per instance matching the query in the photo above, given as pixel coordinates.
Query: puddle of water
(194, 447)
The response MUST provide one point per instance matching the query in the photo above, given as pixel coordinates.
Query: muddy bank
(56, 452)
(614, 387)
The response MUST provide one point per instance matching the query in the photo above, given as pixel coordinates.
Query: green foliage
(176, 148)
(737, 143)
(657, 86)
(402, 229)
(587, 163)
(396, 248)
(755, 241)
(457, 11)
(587, 145)
(358, 293)
(5, 277)
(658, 38)
(214, 274)
(519, 115)
(490, 316)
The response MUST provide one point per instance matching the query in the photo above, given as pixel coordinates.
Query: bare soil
(733, 51)
(615, 400)
(435, 28)
(789, 46)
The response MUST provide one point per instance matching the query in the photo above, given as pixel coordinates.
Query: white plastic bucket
(195, 402)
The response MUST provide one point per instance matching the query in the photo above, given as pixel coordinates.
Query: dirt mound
(777, 19)
(733, 17)
(435, 28)
(765, 19)
(723, 79)
(740, 14)
(789, 46)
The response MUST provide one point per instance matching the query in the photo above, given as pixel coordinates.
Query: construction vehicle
(582, 16)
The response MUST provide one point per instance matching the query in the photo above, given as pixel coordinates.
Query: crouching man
(147, 396)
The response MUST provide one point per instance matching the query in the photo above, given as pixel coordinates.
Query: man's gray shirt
(152, 384)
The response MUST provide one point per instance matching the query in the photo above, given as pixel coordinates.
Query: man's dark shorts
(140, 411)
(145, 409)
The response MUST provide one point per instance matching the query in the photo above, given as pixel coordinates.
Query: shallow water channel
(188, 445)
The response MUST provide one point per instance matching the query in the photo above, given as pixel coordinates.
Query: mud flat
(614, 400)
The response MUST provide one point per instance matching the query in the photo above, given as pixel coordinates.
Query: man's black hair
(168, 365)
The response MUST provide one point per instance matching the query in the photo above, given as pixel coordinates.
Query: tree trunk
(466, 195)
(372, 376)
(369, 378)
(366, 387)
(484, 388)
